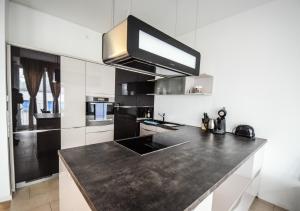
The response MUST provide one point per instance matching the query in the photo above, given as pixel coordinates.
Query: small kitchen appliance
(245, 131)
(220, 122)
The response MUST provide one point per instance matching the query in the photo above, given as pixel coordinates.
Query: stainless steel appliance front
(99, 111)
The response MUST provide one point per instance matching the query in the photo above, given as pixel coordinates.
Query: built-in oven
(99, 111)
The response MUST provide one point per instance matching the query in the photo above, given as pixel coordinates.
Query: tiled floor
(38, 197)
(261, 205)
(44, 197)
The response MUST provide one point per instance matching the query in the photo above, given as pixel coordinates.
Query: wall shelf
(189, 85)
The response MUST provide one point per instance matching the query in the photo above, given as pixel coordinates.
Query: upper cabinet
(100, 80)
(73, 92)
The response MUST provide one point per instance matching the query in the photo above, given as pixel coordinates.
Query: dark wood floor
(28, 166)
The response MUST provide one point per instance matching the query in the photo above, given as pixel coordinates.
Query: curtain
(54, 86)
(33, 72)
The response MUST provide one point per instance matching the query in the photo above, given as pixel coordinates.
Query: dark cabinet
(133, 100)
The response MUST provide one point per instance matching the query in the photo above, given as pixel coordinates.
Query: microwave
(99, 111)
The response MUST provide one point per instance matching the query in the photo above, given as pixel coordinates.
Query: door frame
(9, 118)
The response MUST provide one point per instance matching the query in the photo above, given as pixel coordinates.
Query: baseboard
(4, 199)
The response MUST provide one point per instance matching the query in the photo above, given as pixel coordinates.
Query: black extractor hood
(135, 45)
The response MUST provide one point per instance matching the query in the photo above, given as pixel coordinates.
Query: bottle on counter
(148, 114)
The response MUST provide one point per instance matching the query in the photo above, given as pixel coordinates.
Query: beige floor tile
(21, 194)
(45, 207)
(53, 183)
(37, 197)
(4, 206)
(53, 195)
(279, 209)
(39, 188)
(54, 205)
(260, 205)
(26, 205)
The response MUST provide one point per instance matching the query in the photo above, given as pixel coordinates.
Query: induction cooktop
(148, 144)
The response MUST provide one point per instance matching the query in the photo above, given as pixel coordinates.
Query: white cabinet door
(99, 137)
(92, 129)
(72, 93)
(73, 137)
(206, 204)
(244, 203)
(100, 80)
(70, 197)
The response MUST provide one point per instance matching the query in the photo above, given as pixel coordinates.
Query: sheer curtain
(33, 72)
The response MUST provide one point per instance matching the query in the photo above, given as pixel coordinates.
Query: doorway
(35, 113)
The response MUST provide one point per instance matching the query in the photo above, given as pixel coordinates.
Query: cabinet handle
(102, 131)
(237, 203)
(148, 130)
(72, 127)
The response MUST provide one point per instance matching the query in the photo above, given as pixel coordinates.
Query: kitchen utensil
(205, 121)
(211, 124)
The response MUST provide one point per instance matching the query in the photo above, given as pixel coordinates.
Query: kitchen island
(209, 172)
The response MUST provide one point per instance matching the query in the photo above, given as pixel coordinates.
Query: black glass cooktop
(151, 143)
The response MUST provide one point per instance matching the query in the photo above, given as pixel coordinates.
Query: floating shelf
(189, 85)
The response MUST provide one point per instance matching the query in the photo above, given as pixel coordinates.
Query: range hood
(135, 45)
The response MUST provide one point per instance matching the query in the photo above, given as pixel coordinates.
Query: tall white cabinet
(73, 137)
(72, 93)
(72, 102)
(78, 80)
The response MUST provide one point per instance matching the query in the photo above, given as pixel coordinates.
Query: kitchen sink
(161, 123)
(171, 124)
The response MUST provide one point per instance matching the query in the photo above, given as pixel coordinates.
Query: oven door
(103, 114)
(90, 109)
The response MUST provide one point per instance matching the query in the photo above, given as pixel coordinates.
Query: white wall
(255, 59)
(30, 28)
(4, 167)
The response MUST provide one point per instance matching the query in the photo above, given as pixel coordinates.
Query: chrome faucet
(163, 115)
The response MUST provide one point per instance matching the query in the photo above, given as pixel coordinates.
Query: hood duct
(134, 45)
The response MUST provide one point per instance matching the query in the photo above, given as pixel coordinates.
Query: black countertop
(112, 177)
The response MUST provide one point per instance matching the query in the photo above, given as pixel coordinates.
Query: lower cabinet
(99, 134)
(248, 196)
(73, 137)
(205, 205)
(76, 137)
(238, 191)
(99, 137)
(70, 197)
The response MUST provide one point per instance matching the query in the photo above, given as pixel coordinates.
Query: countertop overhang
(112, 177)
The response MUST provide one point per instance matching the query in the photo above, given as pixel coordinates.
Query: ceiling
(174, 17)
